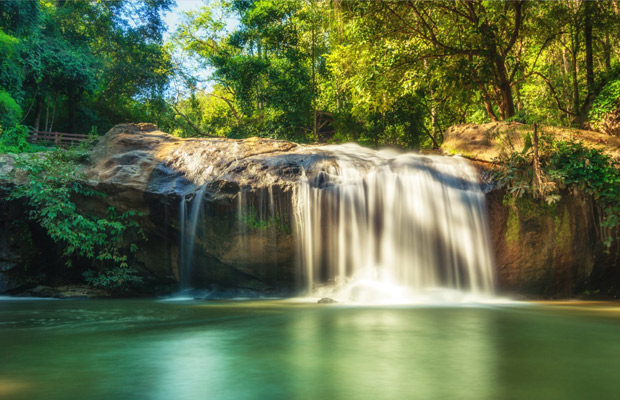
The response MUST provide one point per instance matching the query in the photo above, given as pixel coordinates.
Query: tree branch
(428, 33)
(189, 122)
(554, 94)
(515, 32)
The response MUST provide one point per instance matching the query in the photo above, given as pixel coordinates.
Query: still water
(148, 349)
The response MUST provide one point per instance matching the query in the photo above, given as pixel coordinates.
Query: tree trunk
(507, 104)
(47, 113)
(588, 43)
(488, 105)
(582, 116)
(616, 9)
(315, 134)
(574, 72)
(537, 170)
(519, 103)
(72, 100)
(607, 55)
(566, 70)
(575, 81)
(37, 113)
(54, 112)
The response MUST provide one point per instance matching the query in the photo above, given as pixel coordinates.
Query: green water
(139, 349)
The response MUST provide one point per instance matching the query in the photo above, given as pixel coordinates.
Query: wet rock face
(540, 250)
(244, 238)
(548, 250)
(15, 246)
(143, 158)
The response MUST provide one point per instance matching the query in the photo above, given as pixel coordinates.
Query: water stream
(188, 227)
(371, 226)
(391, 227)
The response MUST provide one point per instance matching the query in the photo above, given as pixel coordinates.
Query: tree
(369, 67)
(80, 64)
(475, 42)
(263, 70)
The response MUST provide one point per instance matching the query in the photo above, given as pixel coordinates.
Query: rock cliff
(541, 249)
(246, 238)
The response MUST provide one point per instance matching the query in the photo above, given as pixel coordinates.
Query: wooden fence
(58, 138)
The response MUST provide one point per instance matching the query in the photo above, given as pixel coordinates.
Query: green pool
(149, 349)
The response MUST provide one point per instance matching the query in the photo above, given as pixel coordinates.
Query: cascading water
(188, 227)
(381, 226)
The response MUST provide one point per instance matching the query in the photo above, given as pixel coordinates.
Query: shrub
(48, 182)
(13, 140)
(606, 101)
(10, 111)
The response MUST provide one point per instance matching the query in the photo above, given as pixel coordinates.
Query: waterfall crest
(381, 226)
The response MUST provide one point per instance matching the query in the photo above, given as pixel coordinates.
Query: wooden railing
(58, 138)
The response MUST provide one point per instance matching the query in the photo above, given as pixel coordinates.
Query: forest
(395, 73)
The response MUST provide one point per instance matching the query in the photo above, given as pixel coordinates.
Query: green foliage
(121, 277)
(574, 165)
(516, 174)
(49, 183)
(252, 220)
(264, 74)
(10, 111)
(380, 72)
(69, 65)
(396, 73)
(13, 140)
(608, 100)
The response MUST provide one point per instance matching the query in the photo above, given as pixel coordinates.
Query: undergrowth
(564, 165)
(14, 140)
(49, 183)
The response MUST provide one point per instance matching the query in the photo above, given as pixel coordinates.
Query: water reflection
(386, 353)
(274, 350)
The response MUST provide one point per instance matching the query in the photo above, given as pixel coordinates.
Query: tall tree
(85, 63)
(261, 67)
(481, 36)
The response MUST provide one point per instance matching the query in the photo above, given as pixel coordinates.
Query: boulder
(244, 238)
(327, 300)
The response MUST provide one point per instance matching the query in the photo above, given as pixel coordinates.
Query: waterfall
(188, 227)
(375, 226)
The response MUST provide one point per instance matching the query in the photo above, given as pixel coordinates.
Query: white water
(383, 227)
(188, 227)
